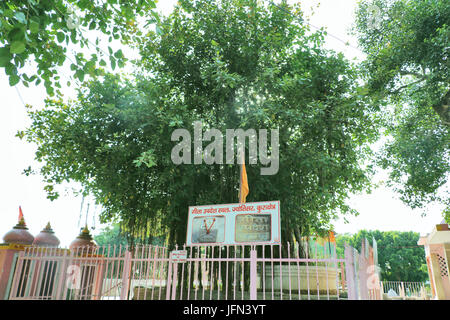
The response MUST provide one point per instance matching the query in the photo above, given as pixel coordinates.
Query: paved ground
(239, 295)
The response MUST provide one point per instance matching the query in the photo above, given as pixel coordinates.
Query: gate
(85, 273)
(255, 273)
(147, 272)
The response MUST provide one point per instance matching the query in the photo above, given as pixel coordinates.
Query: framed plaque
(236, 223)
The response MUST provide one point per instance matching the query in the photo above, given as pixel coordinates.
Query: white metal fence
(402, 290)
(217, 272)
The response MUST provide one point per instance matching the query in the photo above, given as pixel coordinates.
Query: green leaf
(8, 13)
(4, 61)
(83, 4)
(5, 56)
(73, 37)
(20, 16)
(16, 34)
(34, 27)
(118, 54)
(13, 80)
(60, 36)
(79, 74)
(17, 47)
(89, 67)
(20, 134)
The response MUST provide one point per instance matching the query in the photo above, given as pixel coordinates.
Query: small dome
(19, 234)
(46, 238)
(83, 240)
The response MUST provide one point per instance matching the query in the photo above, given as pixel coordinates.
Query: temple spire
(21, 218)
(19, 233)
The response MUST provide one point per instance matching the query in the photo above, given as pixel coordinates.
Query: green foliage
(399, 256)
(407, 66)
(418, 157)
(230, 64)
(41, 31)
(111, 236)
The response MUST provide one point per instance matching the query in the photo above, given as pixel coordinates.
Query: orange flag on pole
(332, 237)
(243, 185)
(21, 219)
(20, 213)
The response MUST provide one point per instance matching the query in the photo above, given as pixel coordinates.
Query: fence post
(253, 274)
(169, 278)
(126, 276)
(363, 276)
(100, 280)
(423, 294)
(350, 273)
(344, 283)
(11, 276)
(402, 290)
(175, 281)
(17, 274)
(62, 277)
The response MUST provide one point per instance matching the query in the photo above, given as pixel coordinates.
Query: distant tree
(114, 235)
(111, 235)
(407, 43)
(341, 240)
(399, 256)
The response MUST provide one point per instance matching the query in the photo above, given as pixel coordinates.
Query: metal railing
(207, 273)
(403, 290)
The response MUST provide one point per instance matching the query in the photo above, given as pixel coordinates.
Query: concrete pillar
(440, 270)
(7, 264)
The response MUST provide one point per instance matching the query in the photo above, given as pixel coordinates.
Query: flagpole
(240, 184)
(243, 180)
(240, 176)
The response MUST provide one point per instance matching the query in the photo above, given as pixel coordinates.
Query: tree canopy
(49, 32)
(113, 235)
(407, 67)
(230, 64)
(399, 256)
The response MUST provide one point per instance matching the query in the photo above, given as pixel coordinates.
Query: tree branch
(410, 73)
(443, 108)
(405, 86)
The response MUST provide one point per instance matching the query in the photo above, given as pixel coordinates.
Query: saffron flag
(332, 237)
(243, 190)
(20, 213)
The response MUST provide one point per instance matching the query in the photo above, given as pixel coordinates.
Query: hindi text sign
(178, 256)
(238, 223)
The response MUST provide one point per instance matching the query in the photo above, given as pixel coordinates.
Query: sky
(381, 210)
